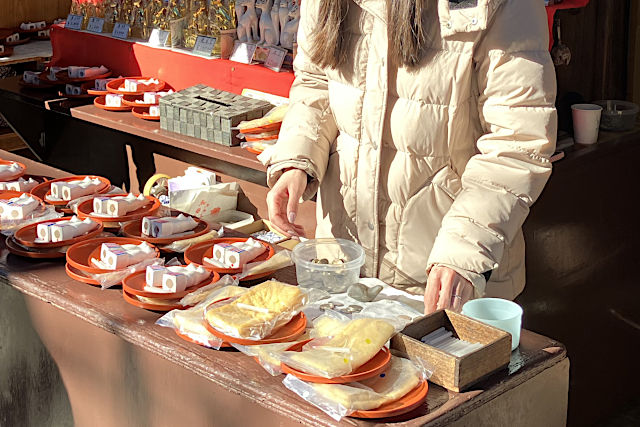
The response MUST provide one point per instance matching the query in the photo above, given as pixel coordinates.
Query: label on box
(120, 30)
(95, 24)
(204, 45)
(159, 37)
(275, 58)
(243, 52)
(74, 22)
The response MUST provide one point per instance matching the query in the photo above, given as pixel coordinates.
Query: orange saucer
(85, 210)
(101, 102)
(131, 299)
(16, 249)
(26, 236)
(288, 332)
(80, 276)
(406, 403)
(43, 190)
(373, 367)
(79, 255)
(115, 86)
(16, 175)
(135, 283)
(142, 113)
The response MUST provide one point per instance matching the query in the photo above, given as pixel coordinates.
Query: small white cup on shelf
(498, 312)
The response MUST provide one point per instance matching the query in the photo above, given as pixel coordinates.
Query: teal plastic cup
(498, 312)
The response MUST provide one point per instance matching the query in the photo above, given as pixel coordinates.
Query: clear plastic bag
(190, 323)
(182, 245)
(259, 312)
(114, 278)
(226, 287)
(349, 345)
(279, 261)
(41, 213)
(340, 400)
(267, 355)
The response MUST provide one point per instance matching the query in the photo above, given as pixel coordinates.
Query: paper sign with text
(204, 45)
(243, 52)
(275, 58)
(120, 30)
(95, 24)
(159, 37)
(74, 22)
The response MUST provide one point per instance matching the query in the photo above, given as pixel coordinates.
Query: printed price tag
(159, 37)
(204, 45)
(95, 25)
(275, 58)
(120, 30)
(243, 52)
(74, 22)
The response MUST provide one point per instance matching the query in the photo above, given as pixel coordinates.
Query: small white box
(154, 275)
(40, 25)
(31, 77)
(72, 89)
(101, 84)
(44, 33)
(154, 111)
(113, 100)
(75, 72)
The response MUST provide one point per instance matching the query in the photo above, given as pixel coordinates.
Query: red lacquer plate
(79, 255)
(131, 299)
(15, 248)
(114, 86)
(135, 283)
(44, 190)
(196, 254)
(288, 332)
(134, 229)
(373, 367)
(143, 113)
(64, 76)
(85, 210)
(100, 102)
(405, 404)
(26, 236)
(17, 174)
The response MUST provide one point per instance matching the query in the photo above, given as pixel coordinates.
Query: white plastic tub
(333, 278)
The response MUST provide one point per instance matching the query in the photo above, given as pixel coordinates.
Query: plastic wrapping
(182, 245)
(340, 400)
(113, 278)
(190, 323)
(350, 345)
(226, 287)
(10, 226)
(73, 204)
(268, 356)
(259, 312)
(280, 260)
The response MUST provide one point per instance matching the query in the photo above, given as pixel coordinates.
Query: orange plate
(43, 190)
(265, 128)
(94, 92)
(26, 236)
(100, 102)
(134, 229)
(85, 210)
(373, 367)
(114, 86)
(250, 138)
(78, 275)
(15, 248)
(135, 283)
(15, 175)
(130, 101)
(131, 299)
(10, 194)
(79, 255)
(253, 150)
(142, 113)
(288, 332)
(8, 51)
(196, 253)
(406, 403)
(19, 42)
(186, 338)
(64, 76)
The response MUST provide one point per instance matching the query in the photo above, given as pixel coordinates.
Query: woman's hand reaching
(283, 200)
(446, 289)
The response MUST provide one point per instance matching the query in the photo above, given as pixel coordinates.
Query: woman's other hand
(283, 200)
(446, 289)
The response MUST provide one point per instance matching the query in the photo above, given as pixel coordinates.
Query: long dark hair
(406, 32)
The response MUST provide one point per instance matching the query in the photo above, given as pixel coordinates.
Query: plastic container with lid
(328, 264)
(617, 115)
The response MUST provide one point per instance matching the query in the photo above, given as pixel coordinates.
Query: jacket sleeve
(517, 89)
(308, 128)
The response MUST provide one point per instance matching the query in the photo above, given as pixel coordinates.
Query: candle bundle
(18, 207)
(167, 226)
(445, 341)
(22, 185)
(174, 279)
(235, 255)
(60, 231)
(118, 205)
(69, 190)
(117, 257)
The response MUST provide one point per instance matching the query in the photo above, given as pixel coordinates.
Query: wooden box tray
(265, 225)
(451, 372)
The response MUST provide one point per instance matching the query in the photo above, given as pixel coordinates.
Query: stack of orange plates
(85, 210)
(79, 266)
(134, 293)
(196, 254)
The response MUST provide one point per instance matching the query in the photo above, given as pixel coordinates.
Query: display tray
(17, 174)
(135, 283)
(142, 113)
(17, 249)
(131, 299)
(288, 332)
(134, 229)
(79, 255)
(405, 404)
(26, 235)
(196, 254)
(117, 86)
(373, 367)
(85, 210)
(44, 189)
(64, 76)
(8, 51)
(100, 102)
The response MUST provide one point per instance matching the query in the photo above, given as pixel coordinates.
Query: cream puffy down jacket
(436, 165)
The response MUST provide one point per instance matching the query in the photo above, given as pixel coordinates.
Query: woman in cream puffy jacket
(425, 127)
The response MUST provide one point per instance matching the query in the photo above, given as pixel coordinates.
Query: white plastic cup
(586, 122)
(501, 313)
